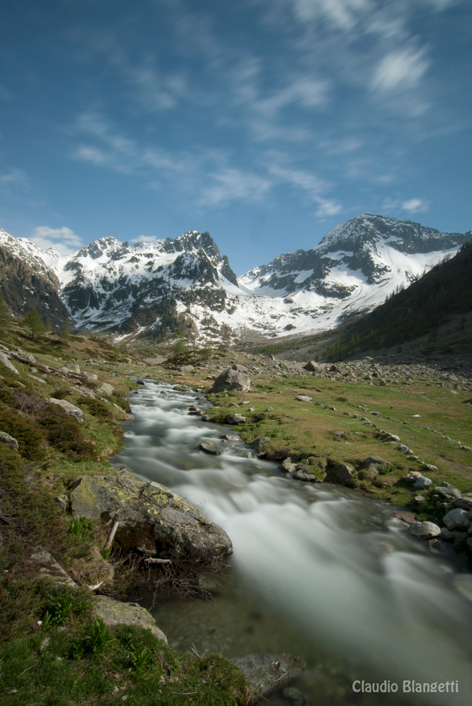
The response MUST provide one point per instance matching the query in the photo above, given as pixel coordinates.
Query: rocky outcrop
(8, 440)
(151, 518)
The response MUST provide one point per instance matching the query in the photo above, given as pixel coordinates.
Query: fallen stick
(111, 536)
(153, 560)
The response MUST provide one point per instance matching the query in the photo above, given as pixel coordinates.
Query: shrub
(96, 408)
(28, 434)
(65, 434)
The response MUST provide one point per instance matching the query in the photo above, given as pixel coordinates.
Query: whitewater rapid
(326, 568)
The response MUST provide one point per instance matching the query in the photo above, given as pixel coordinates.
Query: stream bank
(319, 571)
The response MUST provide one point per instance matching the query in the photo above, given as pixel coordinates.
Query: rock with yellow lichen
(152, 519)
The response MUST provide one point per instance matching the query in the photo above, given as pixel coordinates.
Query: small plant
(93, 643)
(80, 526)
(58, 610)
(106, 553)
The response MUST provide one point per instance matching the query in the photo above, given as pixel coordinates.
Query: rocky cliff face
(27, 282)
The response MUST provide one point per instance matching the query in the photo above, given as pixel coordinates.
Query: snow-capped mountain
(185, 284)
(27, 281)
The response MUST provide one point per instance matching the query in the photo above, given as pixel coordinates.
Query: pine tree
(34, 323)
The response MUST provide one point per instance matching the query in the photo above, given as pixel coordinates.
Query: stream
(319, 571)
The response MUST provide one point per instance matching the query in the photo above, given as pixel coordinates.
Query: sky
(264, 122)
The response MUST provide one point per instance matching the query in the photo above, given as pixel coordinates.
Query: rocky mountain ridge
(184, 284)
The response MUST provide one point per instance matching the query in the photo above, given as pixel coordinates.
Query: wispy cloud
(310, 184)
(232, 185)
(415, 205)
(14, 176)
(401, 68)
(63, 239)
(343, 14)
(144, 239)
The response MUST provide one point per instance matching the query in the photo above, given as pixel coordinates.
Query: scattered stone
(430, 467)
(422, 482)
(8, 364)
(267, 673)
(67, 407)
(118, 613)
(230, 437)
(305, 476)
(88, 377)
(8, 440)
(63, 501)
(412, 476)
(288, 465)
(448, 494)
(313, 367)
(233, 378)
(235, 419)
(403, 449)
(151, 517)
(405, 516)
(259, 443)
(446, 534)
(424, 530)
(211, 447)
(339, 473)
(457, 518)
(339, 434)
(376, 461)
(464, 503)
(107, 389)
(303, 398)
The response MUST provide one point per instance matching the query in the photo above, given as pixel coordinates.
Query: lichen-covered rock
(267, 673)
(47, 567)
(8, 440)
(67, 407)
(339, 473)
(88, 377)
(151, 518)
(106, 389)
(117, 613)
(233, 378)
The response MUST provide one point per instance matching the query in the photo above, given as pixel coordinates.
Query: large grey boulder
(312, 366)
(211, 447)
(457, 518)
(117, 613)
(67, 407)
(151, 518)
(234, 378)
(339, 473)
(267, 673)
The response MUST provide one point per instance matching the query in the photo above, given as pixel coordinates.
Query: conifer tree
(34, 323)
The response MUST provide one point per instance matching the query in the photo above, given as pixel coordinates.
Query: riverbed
(318, 570)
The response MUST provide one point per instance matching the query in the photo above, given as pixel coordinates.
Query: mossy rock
(151, 518)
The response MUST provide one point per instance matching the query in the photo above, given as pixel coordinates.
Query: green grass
(303, 430)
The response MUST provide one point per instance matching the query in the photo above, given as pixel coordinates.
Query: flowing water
(317, 570)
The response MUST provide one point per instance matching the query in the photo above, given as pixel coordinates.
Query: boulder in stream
(267, 673)
(151, 517)
(211, 447)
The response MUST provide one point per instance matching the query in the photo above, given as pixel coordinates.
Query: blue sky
(265, 122)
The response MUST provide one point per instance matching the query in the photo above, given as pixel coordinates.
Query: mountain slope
(27, 282)
(443, 292)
